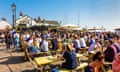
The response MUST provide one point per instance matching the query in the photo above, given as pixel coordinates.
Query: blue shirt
(71, 60)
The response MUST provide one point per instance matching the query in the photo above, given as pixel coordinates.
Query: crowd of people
(106, 45)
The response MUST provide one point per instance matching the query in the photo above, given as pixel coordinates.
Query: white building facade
(26, 21)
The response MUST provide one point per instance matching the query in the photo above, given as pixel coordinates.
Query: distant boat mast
(65, 18)
(78, 18)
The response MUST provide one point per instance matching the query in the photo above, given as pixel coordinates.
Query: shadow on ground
(14, 60)
(29, 70)
(3, 49)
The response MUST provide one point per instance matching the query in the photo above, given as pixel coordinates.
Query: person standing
(16, 40)
(8, 39)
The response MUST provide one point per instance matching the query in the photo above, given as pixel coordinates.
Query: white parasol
(4, 25)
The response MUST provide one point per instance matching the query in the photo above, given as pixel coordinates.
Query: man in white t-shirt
(44, 45)
(82, 42)
(76, 44)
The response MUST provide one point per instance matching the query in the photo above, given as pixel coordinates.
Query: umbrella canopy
(94, 29)
(76, 29)
(4, 25)
(67, 27)
(70, 26)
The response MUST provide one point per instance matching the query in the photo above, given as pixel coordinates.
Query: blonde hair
(35, 42)
(70, 47)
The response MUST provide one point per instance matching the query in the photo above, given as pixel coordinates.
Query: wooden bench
(80, 67)
(84, 49)
(34, 64)
(108, 63)
(27, 56)
(26, 52)
(39, 62)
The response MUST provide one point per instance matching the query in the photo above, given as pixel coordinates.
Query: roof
(24, 16)
(49, 21)
(26, 19)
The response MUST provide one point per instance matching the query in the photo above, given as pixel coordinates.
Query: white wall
(27, 20)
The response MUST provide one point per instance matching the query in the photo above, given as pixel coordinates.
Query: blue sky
(91, 12)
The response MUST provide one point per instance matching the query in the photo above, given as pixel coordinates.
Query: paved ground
(13, 61)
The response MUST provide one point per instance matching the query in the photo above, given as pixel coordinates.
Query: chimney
(21, 14)
(3, 19)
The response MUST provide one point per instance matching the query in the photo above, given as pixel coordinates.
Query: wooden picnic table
(45, 60)
(92, 52)
(42, 62)
(79, 55)
(49, 59)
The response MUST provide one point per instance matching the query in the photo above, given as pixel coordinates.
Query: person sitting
(44, 45)
(82, 42)
(110, 51)
(54, 43)
(96, 63)
(70, 58)
(36, 42)
(116, 63)
(76, 43)
(92, 40)
(32, 45)
(95, 46)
